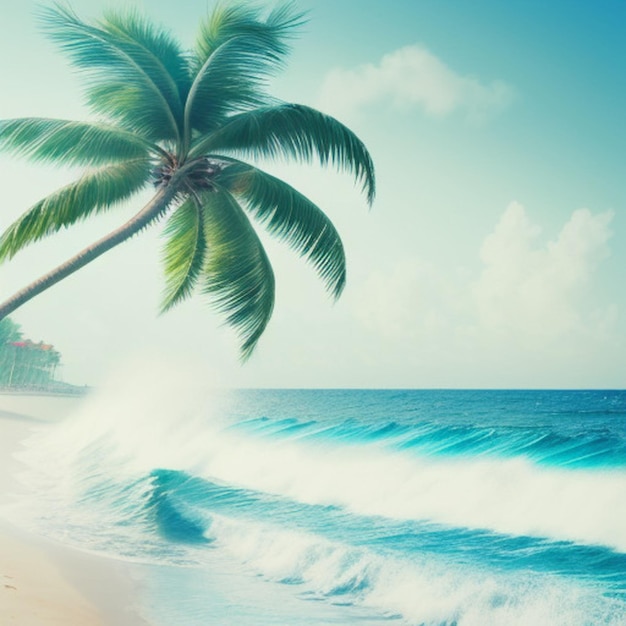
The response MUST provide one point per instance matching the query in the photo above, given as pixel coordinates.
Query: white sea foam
(423, 591)
(130, 431)
(508, 496)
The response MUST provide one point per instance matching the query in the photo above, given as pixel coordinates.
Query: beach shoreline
(44, 583)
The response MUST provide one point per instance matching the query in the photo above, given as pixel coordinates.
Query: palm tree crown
(183, 121)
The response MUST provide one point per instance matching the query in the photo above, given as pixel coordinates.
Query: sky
(494, 255)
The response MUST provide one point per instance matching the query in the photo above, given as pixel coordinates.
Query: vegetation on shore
(24, 364)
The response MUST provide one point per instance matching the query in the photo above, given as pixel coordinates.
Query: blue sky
(494, 254)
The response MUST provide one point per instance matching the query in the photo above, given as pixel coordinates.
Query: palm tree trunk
(154, 209)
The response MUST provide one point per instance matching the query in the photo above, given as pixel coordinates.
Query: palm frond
(184, 252)
(96, 191)
(130, 107)
(157, 42)
(292, 217)
(295, 131)
(71, 143)
(127, 58)
(236, 51)
(237, 272)
(231, 80)
(229, 20)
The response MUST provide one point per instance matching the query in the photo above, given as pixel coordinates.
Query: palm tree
(10, 333)
(183, 121)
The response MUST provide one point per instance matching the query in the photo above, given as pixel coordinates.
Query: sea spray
(89, 474)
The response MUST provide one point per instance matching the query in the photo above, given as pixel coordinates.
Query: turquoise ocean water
(292, 507)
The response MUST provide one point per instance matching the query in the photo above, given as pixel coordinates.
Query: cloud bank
(412, 77)
(533, 289)
(530, 306)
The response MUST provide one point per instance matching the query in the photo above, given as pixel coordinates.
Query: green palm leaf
(125, 57)
(296, 131)
(71, 143)
(229, 81)
(96, 191)
(237, 272)
(271, 35)
(184, 252)
(237, 51)
(160, 47)
(128, 106)
(292, 217)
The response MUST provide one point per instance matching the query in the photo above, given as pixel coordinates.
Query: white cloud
(533, 289)
(530, 314)
(526, 288)
(412, 77)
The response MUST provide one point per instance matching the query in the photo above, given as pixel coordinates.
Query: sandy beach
(43, 583)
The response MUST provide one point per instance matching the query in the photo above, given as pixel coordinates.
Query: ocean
(293, 507)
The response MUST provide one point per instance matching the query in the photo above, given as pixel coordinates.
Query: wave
(107, 445)
(423, 590)
(354, 513)
(329, 555)
(186, 506)
(594, 447)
